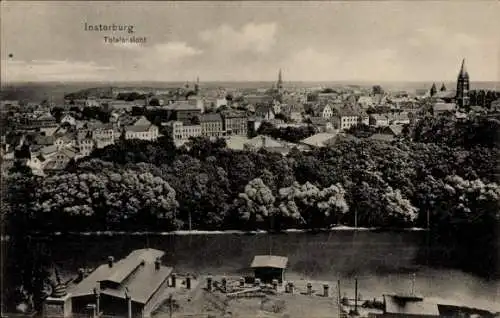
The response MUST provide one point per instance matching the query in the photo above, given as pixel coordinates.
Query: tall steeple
(433, 90)
(462, 95)
(197, 85)
(279, 85)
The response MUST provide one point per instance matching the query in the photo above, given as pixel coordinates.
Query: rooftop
(136, 273)
(269, 261)
(409, 306)
(319, 140)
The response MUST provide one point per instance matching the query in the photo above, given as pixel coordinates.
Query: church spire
(463, 70)
(462, 95)
(433, 89)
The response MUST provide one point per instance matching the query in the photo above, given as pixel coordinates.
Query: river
(383, 262)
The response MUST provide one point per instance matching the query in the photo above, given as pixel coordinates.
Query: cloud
(258, 38)
(310, 64)
(166, 53)
(52, 70)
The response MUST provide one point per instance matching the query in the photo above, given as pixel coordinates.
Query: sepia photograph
(250, 159)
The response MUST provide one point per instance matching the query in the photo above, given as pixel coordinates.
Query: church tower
(462, 95)
(279, 85)
(197, 86)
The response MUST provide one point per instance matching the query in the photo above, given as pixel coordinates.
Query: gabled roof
(269, 261)
(141, 279)
(263, 142)
(318, 140)
(142, 122)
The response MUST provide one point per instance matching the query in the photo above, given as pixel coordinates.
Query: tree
(109, 198)
(377, 90)
(312, 206)
(256, 203)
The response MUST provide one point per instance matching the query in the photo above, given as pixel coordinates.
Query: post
(174, 280)
(129, 306)
(339, 298)
(209, 283)
(275, 284)
(242, 281)
(356, 295)
(325, 290)
(97, 302)
(309, 288)
(188, 282)
(290, 287)
(224, 284)
(257, 282)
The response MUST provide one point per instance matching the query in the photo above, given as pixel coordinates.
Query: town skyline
(250, 42)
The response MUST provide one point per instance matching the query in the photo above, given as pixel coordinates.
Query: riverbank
(226, 232)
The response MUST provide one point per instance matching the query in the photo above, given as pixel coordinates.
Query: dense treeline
(450, 175)
(447, 180)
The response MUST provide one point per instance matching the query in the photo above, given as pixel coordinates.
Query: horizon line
(239, 81)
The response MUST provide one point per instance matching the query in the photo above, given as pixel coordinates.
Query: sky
(251, 41)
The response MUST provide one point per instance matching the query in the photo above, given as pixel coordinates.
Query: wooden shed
(269, 267)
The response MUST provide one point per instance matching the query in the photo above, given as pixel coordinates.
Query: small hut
(269, 267)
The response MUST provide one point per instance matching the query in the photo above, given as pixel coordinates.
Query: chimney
(157, 263)
(111, 260)
(81, 274)
(209, 283)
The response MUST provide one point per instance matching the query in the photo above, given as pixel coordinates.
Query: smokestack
(158, 263)
(111, 260)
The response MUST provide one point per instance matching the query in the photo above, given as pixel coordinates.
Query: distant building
(234, 123)
(184, 111)
(462, 96)
(265, 111)
(142, 129)
(379, 120)
(211, 125)
(321, 124)
(181, 132)
(345, 119)
(441, 108)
